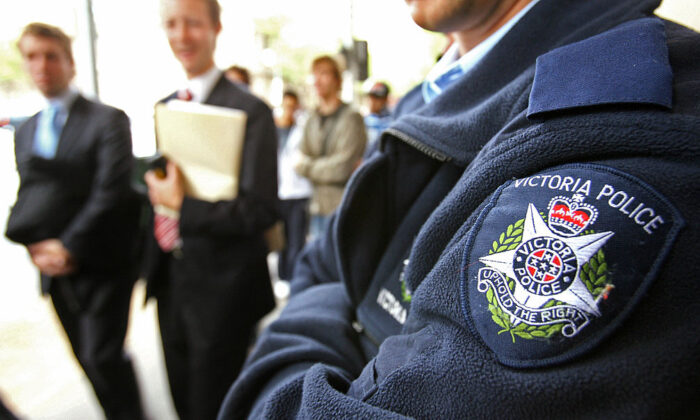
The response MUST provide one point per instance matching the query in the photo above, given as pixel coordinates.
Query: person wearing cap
(209, 273)
(524, 244)
(379, 116)
(78, 217)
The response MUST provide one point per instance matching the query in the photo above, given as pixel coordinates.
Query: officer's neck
(474, 34)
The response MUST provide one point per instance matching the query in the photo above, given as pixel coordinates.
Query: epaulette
(627, 64)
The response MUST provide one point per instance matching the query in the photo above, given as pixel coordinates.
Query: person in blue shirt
(524, 242)
(379, 116)
(77, 216)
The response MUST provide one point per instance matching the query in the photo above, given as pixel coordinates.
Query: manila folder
(206, 143)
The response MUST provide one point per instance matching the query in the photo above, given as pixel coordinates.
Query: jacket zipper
(360, 329)
(418, 145)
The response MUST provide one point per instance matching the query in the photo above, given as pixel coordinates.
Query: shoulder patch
(627, 64)
(556, 261)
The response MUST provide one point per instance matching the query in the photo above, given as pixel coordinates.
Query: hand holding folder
(206, 142)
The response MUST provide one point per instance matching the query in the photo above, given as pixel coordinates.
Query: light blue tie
(432, 89)
(48, 132)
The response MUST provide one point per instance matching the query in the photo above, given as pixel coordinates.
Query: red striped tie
(167, 229)
(167, 232)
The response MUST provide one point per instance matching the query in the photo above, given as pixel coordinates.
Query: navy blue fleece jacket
(524, 246)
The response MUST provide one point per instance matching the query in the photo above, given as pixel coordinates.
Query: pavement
(40, 378)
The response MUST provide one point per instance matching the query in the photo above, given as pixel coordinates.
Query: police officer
(541, 262)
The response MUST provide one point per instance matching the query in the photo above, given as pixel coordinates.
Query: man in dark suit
(211, 278)
(77, 216)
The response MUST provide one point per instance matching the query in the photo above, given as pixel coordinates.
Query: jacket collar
(225, 93)
(457, 124)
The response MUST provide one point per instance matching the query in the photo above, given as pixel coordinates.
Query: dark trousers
(204, 345)
(96, 328)
(296, 225)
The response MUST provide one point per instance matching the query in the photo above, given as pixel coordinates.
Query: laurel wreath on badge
(594, 275)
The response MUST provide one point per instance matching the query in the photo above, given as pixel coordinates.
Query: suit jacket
(221, 240)
(82, 196)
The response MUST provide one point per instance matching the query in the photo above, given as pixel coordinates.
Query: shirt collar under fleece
(480, 103)
(435, 83)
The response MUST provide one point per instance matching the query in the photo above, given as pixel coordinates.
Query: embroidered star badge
(546, 265)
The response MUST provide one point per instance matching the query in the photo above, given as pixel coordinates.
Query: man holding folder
(206, 263)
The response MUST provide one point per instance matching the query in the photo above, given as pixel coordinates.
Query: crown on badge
(570, 216)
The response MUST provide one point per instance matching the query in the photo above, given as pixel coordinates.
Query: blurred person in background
(78, 217)
(240, 76)
(294, 190)
(206, 261)
(333, 143)
(379, 116)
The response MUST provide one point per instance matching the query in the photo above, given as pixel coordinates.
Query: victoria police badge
(549, 266)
